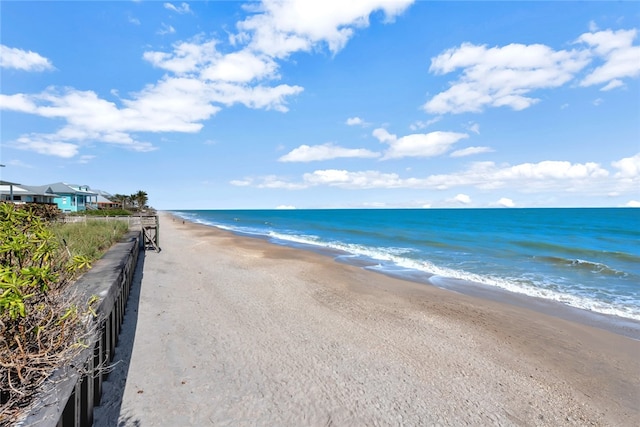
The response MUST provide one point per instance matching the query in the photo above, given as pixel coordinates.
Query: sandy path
(235, 331)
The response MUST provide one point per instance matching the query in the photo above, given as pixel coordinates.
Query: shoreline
(627, 327)
(237, 331)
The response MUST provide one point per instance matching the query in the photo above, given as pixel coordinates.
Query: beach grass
(91, 238)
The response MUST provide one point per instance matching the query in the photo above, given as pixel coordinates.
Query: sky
(279, 104)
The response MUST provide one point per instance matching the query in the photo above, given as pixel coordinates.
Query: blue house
(74, 198)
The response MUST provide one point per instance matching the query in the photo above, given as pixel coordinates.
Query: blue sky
(333, 104)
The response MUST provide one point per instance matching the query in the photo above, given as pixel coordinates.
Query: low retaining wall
(68, 397)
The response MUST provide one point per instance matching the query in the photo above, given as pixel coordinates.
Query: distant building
(67, 197)
(104, 203)
(19, 193)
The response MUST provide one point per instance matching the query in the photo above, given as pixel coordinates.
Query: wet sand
(228, 330)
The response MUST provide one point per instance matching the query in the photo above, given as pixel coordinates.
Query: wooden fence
(70, 394)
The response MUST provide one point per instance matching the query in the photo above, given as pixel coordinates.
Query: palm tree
(141, 199)
(122, 199)
(132, 199)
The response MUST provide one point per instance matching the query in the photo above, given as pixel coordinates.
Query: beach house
(19, 193)
(104, 200)
(67, 197)
(74, 198)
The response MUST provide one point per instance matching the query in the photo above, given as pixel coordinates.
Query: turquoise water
(585, 258)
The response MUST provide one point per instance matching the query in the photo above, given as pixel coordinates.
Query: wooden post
(150, 232)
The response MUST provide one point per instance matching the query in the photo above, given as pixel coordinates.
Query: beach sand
(225, 330)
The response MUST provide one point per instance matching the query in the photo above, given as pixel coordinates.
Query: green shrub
(42, 324)
(108, 212)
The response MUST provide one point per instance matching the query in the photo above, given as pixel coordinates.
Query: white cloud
(201, 80)
(501, 76)
(23, 60)
(86, 159)
(202, 60)
(166, 29)
(43, 144)
(506, 202)
(628, 167)
(187, 57)
(508, 75)
(285, 207)
(90, 118)
(604, 43)
(355, 121)
(306, 153)
(612, 85)
(551, 169)
(241, 182)
(383, 135)
(182, 9)
(174, 105)
(622, 59)
(353, 180)
(269, 181)
(632, 204)
(18, 102)
(526, 177)
(282, 27)
(273, 181)
(259, 97)
(417, 145)
(544, 176)
(469, 151)
(171, 105)
(243, 66)
(420, 124)
(462, 198)
(474, 127)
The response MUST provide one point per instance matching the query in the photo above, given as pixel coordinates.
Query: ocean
(587, 258)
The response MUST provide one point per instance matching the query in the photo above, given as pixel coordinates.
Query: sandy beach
(225, 330)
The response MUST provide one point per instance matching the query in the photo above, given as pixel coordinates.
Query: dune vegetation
(44, 322)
